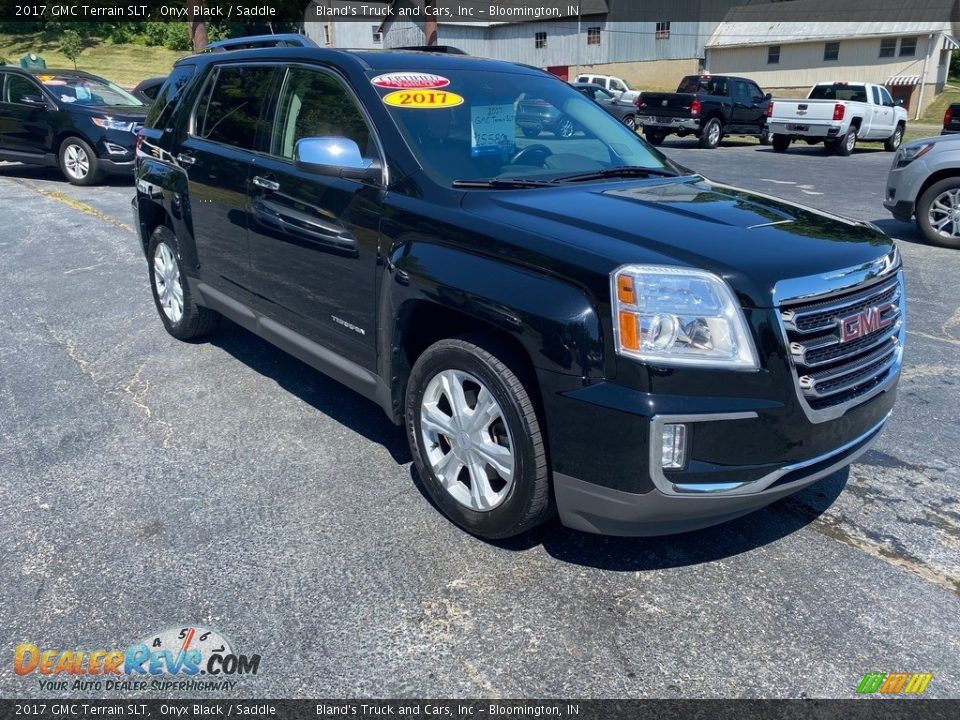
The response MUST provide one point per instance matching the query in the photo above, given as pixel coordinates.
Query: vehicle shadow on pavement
(901, 231)
(744, 534)
(314, 388)
(18, 171)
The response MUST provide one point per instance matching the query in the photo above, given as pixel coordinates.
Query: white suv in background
(614, 85)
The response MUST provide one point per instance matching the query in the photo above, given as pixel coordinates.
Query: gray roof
(792, 22)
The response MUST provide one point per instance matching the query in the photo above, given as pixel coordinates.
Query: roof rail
(432, 48)
(261, 41)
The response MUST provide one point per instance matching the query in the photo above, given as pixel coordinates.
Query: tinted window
(513, 125)
(314, 104)
(876, 97)
(168, 96)
(231, 109)
(17, 86)
(87, 90)
(839, 91)
(885, 97)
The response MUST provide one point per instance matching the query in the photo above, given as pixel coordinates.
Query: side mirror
(332, 155)
(33, 100)
(899, 102)
(768, 96)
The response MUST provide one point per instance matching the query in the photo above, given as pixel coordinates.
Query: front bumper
(903, 187)
(608, 511)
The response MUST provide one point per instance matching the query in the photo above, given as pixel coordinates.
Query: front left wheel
(79, 163)
(476, 438)
(181, 315)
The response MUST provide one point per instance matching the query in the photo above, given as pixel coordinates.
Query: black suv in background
(81, 123)
(563, 324)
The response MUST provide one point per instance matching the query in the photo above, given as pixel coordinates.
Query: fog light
(674, 446)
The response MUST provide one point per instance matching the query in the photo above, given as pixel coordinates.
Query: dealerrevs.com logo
(189, 658)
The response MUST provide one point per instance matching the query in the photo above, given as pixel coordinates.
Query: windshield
(479, 125)
(87, 91)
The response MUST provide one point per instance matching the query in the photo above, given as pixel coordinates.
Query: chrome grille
(831, 372)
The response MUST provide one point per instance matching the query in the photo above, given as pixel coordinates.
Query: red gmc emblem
(866, 321)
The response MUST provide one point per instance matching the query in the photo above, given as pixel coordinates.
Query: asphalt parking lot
(149, 484)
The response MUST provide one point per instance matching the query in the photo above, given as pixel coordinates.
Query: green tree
(71, 45)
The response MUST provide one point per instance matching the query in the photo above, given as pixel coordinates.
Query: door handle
(265, 183)
(185, 159)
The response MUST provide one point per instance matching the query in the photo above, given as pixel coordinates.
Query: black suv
(81, 123)
(571, 324)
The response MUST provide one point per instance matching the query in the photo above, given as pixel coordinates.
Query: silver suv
(924, 182)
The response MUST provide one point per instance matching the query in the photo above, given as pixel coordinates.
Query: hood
(118, 112)
(751, 240)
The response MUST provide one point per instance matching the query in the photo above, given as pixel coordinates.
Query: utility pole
(430, 24)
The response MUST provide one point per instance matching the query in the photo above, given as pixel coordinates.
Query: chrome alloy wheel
(467, 441)
(850, 141)
(944, 213)
(166, 279)
(713, 135)
(76, 162)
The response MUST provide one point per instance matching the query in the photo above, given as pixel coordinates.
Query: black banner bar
(481, 11)
(861, 709)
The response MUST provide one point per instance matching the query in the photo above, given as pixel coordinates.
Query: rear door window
(230, 110)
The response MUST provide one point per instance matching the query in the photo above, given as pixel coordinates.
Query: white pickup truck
(838, 114)
(614, 85)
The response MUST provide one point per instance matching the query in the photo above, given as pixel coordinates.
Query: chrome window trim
(747, 487)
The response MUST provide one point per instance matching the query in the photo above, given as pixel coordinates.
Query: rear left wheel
(566, 128)
(711, 134)
(181, 315)
(631, 122)
(892, 143)
(476, 439)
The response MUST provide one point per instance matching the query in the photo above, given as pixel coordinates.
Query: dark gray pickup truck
(708, 106)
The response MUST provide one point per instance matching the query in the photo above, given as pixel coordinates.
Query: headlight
(109, 123)
(675, 316)
(910, 153)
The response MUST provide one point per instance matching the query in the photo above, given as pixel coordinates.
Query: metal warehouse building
(909, 51)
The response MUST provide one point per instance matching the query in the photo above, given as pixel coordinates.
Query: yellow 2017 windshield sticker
(422, 99)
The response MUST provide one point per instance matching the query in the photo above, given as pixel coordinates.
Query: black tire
(711, 134)
(631, 122)
(195, 321)
(923, 214)
(527, 501)
(780, 143)
(79, 163)
(892, 143)
(530, 132)
(765, 137)
(830, 146)
(847, 143)
(654, 137)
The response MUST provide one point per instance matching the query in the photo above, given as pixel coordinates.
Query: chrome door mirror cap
(334, 155)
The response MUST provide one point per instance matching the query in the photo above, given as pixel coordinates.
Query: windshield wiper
(503, 183)
(614, 172)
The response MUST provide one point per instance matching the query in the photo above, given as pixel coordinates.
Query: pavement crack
(135, 389)
(73, 203)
